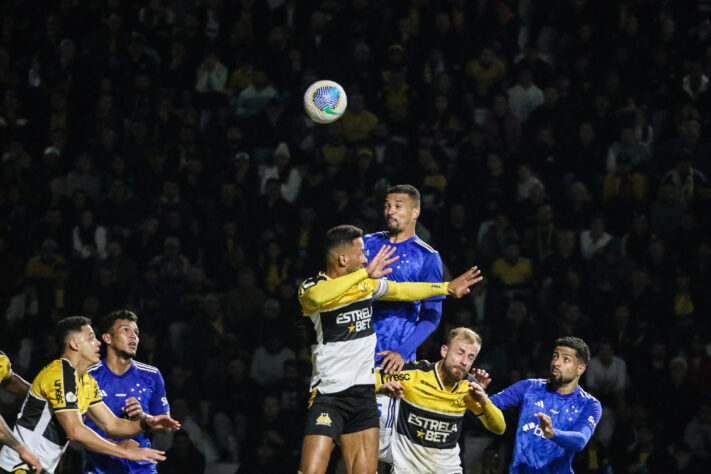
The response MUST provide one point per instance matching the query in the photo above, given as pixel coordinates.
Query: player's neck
(79, 364)
(117, 364)
(567, 388)
(401, 236)
(446, 382)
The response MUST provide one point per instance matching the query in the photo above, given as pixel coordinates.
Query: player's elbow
(499, 429)
(75, 433)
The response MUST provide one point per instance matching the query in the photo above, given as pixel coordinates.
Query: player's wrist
(143, 423)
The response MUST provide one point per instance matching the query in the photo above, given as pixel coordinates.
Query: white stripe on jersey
(424, 245)
(145, 367)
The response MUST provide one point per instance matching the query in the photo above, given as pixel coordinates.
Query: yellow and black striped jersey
(344, 353)
(429, 418)
(58, 387)
(5, 367)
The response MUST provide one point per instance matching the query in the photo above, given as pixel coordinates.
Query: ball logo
(71, 397)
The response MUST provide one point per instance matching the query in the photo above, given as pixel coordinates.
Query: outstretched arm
(457, 288)
(8, 438)
(120, 428)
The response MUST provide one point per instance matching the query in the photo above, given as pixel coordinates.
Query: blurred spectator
(268, 359)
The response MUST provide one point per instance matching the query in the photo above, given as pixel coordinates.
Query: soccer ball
(325, 101)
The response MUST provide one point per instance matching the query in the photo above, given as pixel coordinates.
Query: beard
(393, 226)
(451, 374)
(559, 380)
(127, 354)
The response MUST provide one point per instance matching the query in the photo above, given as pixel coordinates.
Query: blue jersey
(145, 383)
(395, 321)
(577, 412)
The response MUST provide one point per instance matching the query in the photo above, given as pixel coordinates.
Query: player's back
(532, 452)
(145, 383)
(393, 321)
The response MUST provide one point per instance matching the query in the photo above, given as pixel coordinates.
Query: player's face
(458, 358)
(565, 366)
(400, 212)
(124, 338)
(88, 345)
(355, 258)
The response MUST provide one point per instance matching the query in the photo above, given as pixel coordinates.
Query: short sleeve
(59, 387)
(5, 367)
(511, 396)
(159, 399)
(94, 394)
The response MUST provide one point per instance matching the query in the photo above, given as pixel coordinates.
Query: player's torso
(50, 379)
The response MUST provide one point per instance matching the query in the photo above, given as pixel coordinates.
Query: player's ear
(415, 212)
(106, 337)
(443, 351)
(581, 369)
(73, 345)
(341, 260)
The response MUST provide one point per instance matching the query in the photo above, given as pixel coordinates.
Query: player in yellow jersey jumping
(342, 408)
(61, 394)
(433, 401)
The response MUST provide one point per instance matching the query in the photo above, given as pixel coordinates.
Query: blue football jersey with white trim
(145, 383)
(577, 411)
(395, 321)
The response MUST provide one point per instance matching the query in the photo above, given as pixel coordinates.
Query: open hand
(545, 423)
(392, 389)
(460, 285)
(392, 363)
(477, 393)
(376, 268)
(482, 377)
(145, 454)
(163, 422)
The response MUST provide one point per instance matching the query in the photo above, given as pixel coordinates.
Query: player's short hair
(107, 323)
(341, 235)
(582, 351)
(408, 189)
(69, 325)
(464, 333)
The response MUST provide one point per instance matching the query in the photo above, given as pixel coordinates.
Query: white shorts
(387, 411)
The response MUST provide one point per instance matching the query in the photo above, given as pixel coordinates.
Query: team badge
(324, 420)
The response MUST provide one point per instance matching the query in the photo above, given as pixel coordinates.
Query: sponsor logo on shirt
(357, 319)
(432, 430)
(396, 377)
(533, 426)
(539, 403)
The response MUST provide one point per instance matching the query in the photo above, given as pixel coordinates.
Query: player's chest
(115, 394)
(563, 413)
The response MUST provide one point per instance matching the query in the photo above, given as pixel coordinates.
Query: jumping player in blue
(557, 417)
(130, 389)
(402, 326)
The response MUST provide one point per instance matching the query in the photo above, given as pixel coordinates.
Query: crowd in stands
(155, 156)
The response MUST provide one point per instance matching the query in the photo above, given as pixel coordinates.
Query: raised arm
(408, 291)
(120, 428)
(16, 385)
(314, 293)
(490, 415)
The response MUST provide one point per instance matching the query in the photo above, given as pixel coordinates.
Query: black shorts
(333, 414)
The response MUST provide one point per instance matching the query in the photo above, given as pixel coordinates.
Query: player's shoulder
(421, 365)
(383, 235)
(587, 396)
(2, 354)
(57, 369)
(311, 281)
(423, 247)
(146, 368)
(96, 368)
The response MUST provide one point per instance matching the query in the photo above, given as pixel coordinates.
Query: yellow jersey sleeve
(490, 415)
(5, 367)
(315, 293)
(57, 383)
(94, 392)
(409, 291)
(406, 377)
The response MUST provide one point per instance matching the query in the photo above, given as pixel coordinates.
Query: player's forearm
(409, 291)
(491, 417)
(330, 290)
(574, 440)
(7, 437)
(17, 385)
(121, 428)
(90, 440)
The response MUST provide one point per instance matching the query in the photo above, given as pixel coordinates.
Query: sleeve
(5, 367)
(490, 415)
(95, 398)
(580, 434)
(511, 396)
(59, 387)
(314, 293)
(159, 400)
(432, 272)
(405, 377)
(409, 291)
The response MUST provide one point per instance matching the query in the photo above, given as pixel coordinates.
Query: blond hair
(464, 333)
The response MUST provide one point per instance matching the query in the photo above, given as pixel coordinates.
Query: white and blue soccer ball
(325, 101)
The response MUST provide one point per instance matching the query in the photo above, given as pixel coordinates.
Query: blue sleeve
(159, 401)
(578, 437)
(432, 271)
(423, 329)
(511, 396)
